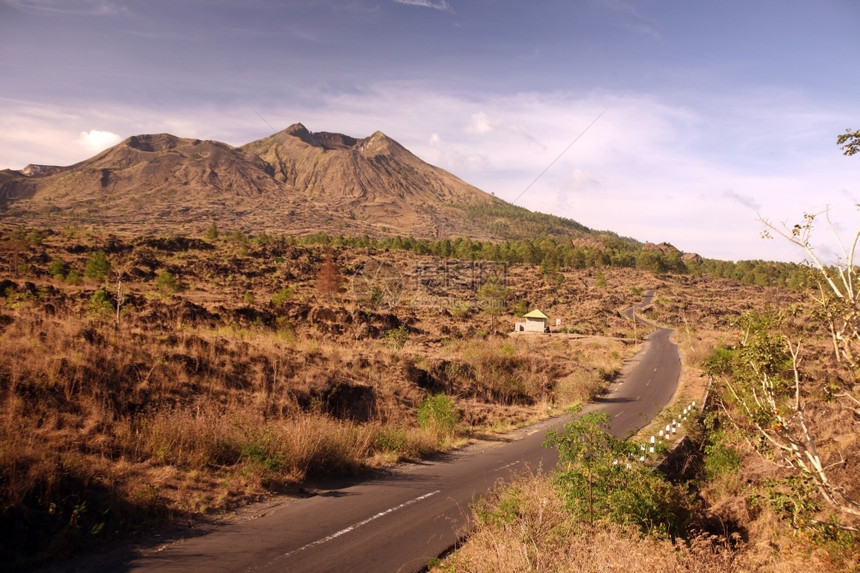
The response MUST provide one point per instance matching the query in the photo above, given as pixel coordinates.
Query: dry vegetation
(525, 527)
(172, 376)
(751, 512)
(197, 374)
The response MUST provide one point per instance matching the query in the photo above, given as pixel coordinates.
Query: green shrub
(508, 350)
(397, 337)
(166, 283)
(57, 269)
(720, 459)
(100, 307)
(721, 361)
(98, 266)
(437, 413)
(283, 297)
(35, 237)
(603, 480)
(258, 451)
(391, 439)
(211, 232)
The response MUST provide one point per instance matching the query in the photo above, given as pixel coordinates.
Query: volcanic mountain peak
(163, 149)
(328, 141)
(166, 142)
(293, 181)
(34, 170)
(380, 144)
(153, 142)
(376, 144)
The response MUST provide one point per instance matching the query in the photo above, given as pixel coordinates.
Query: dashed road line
(506, 466)
(355, 526)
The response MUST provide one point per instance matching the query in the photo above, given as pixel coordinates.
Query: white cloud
(97, 140)
(479, 124)
(436, 5)
(65, 7)
(649, 168)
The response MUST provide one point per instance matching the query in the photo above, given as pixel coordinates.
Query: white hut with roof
(535, 322)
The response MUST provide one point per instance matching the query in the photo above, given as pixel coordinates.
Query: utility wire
(551, 163)
(266, 122)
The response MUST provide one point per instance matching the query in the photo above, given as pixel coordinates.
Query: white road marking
(354, 526)
(506, 466)
(619, 413)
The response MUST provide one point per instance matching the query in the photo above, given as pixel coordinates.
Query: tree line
(554, 254)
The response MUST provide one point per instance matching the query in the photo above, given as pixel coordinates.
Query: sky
(684, 121)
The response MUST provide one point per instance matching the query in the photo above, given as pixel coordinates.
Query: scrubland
(154, 379)
(720, 499)
(147, 380)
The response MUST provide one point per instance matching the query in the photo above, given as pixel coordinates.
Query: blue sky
(692, 117)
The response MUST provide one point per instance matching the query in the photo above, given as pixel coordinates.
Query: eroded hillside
(146, 376)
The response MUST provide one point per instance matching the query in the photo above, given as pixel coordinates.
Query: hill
(218, 371)
(294, 182)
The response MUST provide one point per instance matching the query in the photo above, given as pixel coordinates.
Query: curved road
(403, 520)
(650, 385)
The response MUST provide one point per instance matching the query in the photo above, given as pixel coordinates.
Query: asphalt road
(402, 520)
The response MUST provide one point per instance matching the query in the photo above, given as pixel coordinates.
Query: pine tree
(329, 279)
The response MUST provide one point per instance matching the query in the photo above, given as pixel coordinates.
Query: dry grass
(205, 394)
(210, 395)
(595, 362)
(525, 527)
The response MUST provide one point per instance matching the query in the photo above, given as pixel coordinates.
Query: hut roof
(535, 314)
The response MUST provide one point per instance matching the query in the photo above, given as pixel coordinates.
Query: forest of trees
(557, 254)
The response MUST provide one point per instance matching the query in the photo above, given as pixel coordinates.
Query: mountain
(292, 182)
(159, 182)
(374, 179)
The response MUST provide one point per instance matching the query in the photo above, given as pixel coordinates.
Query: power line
(266, 122)
(551, 163)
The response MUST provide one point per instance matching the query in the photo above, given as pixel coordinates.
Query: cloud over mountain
(97, 140)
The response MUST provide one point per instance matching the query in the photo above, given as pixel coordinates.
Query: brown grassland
(146, 380)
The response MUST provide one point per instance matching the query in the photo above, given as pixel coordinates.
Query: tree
(772, 396)
(850, 142)
(329, 280)
(768, 386)
(588, 452)
(98, 266)
(491, 296)
(601, 479)
(211, 233)
(838, 292)
(17, 245)
(764, 383)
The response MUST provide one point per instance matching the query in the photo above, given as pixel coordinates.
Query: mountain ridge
(294, 181)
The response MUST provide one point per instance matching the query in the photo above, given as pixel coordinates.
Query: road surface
(403, 520)
(651, 384)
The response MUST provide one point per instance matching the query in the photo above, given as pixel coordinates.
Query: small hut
(535, 322)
